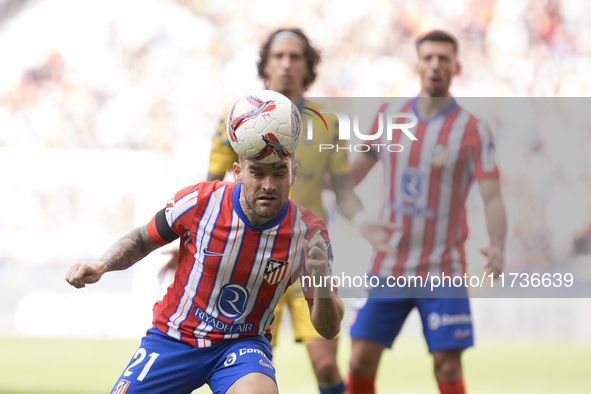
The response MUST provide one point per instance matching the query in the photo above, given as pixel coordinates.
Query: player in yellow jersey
(288, 64)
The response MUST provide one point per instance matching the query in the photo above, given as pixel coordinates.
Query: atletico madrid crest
(121, 387)
(275, 271)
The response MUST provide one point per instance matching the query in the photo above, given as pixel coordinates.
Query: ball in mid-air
(264, 126)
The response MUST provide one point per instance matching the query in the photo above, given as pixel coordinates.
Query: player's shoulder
(316, 104)
(309, 218)
(396, 104)
(202, 188)
(212, 186)
(186, 192)
(475, 126)
(472, 119)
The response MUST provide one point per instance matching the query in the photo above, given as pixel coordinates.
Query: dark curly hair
(311, 54)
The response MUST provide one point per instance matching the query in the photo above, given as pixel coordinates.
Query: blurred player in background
(426, 187)
(288, 64)
(210, 326)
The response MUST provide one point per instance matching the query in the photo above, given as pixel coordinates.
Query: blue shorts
(447, 323)
(165, 365)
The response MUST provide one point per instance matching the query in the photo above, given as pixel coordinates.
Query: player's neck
(429, 106)
(289, 93)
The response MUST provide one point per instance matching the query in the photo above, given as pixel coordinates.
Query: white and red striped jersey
(230, 274)
(426, 186)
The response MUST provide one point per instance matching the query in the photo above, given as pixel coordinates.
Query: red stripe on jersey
(280, 252)
(171, 299)
(175, 292)
(248, 253)
(295, 273)
(210, 265)
(314, 224)
(283, 238)
(184, 192)
(434, 186)
(243, 268)
(219, 235)
(217, 334)
(186, 326)
(457, 202)
(404, 245)
(159, 320)
(186, 220)
(391, 193)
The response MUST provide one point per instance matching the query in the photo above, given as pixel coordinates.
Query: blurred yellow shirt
(312, 164)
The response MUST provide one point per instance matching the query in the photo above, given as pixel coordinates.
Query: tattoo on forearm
(128, 250)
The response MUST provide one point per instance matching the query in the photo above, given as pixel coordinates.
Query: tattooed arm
(127, 251)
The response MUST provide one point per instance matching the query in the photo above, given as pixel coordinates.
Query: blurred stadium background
(107, 107)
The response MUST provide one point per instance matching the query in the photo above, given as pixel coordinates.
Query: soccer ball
(264, 126)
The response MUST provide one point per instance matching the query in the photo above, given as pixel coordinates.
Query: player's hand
(316, 256)
(171, 265)
(378, 234)
(496, 262)
(81, 274)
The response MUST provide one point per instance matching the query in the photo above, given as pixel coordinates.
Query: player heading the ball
(242, 245)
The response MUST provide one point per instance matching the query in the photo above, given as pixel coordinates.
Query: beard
(265, 212)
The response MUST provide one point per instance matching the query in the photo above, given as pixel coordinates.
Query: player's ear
(237, 172)
(294, 173)
(459, 68)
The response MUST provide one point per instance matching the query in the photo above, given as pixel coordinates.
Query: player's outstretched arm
(376, 232)
(348, 202)
(362, 164)
(127, 251)
(327, 309)
(496, 224)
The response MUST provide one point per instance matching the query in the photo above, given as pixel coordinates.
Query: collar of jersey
(444, 112)
(238, 209)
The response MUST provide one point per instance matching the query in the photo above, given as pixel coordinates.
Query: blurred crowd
(155, 75)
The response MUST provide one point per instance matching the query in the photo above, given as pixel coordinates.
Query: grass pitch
(68, 366)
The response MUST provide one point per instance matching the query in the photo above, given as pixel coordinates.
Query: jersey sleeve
(175, 219)
(222, 156)
(483, 153)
